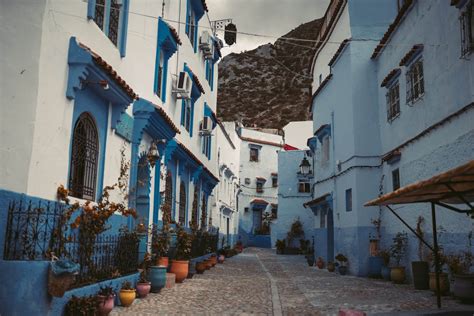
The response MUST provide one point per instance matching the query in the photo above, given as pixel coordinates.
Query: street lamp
(153, 154)
(305, 167)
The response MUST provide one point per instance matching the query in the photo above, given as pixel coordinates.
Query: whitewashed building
(82, 80)
(258, 183)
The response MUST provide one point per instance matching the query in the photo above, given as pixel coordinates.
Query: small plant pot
(208, 264)
(163, 262)
(200, 267)
(180, 268)
(221, 259)
(385, 271)
(463, 287)
(310, 260)
(213, 260)
(127, 297)
(143, 289)
(421, 279)
(342, 270)
(443, 283)
(320, 264)
(157, 276)
(397, 275)
(106, 304)
(331, 267)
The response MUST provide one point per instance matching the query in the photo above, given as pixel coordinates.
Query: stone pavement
(258, 282)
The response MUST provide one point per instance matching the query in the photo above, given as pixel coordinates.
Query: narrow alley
(259, 282)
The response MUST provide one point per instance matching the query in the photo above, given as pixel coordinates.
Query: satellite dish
(230, 35)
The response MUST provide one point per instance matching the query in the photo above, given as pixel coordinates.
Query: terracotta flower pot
(397, 275)
(443, 283)
(127, 297)
(331, 266)
(106, 304)
(208, 264)
(200, 267)
(162, 262)
(221, 259)
(213, 260)
(180, 268)
(143, 289)
(320, 263)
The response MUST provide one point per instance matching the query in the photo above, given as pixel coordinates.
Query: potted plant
(180, 266)
(280, 246)
(463, 281)
(105, 298)
(385, 269)
(397, 252)
(320, 263)
(331, 266)
(161, 243)
(143, 285)
(443, 277)
(86, 305)
(127, 294)
(200, 267)
(239, 247)
(296, 231)
(420, 269)
(342, 261)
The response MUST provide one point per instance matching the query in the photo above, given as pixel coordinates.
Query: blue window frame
(194, 12)
(165, 48)
(206, 145)
(210, 73)
(187, 115)
(111, 16)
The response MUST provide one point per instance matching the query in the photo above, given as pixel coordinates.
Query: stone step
(170, 280)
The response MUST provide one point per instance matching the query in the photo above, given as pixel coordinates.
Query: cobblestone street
(258, 282)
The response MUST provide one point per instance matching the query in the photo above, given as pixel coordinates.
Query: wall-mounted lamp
(305, 167)
(153, 154)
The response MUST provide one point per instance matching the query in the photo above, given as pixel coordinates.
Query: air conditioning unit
(206, 44)
(183, 86)
(206, 126)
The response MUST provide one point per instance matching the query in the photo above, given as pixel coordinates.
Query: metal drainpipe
(179, 31)
(334, 162)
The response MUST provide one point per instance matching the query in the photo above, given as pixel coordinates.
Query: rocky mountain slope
(270, 85)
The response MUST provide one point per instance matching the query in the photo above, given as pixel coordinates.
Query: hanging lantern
(230, 35)
(305, 166)
(153, 154)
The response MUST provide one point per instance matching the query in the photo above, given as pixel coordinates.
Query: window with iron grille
(467, 29)
(108, 17)
(159, 74)
(187, 114)
(274, 211)
(415, 81)
(304, 187)
(325, 149)
(393, 101)
(254, 154)
(191, 27)
(84, 158)
(274, 181)
(396, 179)
(182, 203)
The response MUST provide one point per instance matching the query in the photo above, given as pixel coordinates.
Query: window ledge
(414, 101)
(393, 118)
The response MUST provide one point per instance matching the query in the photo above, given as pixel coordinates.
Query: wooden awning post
(436, 254)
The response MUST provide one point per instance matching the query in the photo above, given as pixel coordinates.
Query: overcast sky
(268, 17)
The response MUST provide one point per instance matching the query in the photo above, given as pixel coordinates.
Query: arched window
(194, 217)
(168, 197)
(182, 203)
(84, 158)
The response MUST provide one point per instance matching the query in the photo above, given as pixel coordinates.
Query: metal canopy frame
(453, 187)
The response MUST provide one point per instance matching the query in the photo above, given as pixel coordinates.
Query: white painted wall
(297, 133)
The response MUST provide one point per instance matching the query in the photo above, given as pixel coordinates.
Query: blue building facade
(393, 125)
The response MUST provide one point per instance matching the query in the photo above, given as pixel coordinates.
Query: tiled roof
(392, 27)
(318, 200)
(258, 201)
(258, 141)
(320, 88)
(390, 76)
(274, 174)
(196, 80)
(339, 51)
(196, 159)
(289, 147)
(394, 154)
(166, 118)
(111, 72)
(321, 128)
(415, 49)
(261, 179)
(175, 34)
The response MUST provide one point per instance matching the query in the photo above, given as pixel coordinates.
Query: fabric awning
(455, 186)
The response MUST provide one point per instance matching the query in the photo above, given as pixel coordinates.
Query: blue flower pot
(386, 273)
(375, 267)
(157, 277)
